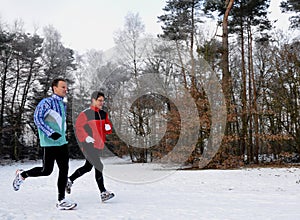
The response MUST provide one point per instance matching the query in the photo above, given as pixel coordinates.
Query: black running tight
(93, 159)
(59, 154)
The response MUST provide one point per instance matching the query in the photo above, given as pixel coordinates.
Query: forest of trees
(256, 65)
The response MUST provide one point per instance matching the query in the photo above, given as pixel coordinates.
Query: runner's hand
(107, 127)
(55, 136)
(89, 139)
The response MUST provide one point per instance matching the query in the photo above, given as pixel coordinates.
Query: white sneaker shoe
(18, 180)
(68, 186)
(65, 205)
(106, 195)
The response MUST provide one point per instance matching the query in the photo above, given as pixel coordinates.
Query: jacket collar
(95, 108)
(59, 98)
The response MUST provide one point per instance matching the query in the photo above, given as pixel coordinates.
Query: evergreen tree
(179, 20)
(292, 6)
(6, 39)
(244, 16)
(24, 69)
(57, 61)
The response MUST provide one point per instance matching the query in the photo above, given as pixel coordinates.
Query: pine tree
(292, 6)
(179, 20)
(243, 17)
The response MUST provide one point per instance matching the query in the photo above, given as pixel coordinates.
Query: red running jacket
(91, 122)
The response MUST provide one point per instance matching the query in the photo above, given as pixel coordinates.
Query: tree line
(28, 64)
(259, 72)
(257, 67)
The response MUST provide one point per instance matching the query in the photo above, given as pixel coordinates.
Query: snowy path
(207, 194)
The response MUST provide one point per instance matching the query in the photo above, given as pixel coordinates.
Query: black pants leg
(62, 160)
(61, 155)
(99, 180)
(87, 167)
(92, 156)
(48, 164)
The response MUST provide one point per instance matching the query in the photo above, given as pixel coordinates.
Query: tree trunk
(254, 103)
(226, 76)
(226, 79)
(250, 81)
(3, 93)
(244, 98)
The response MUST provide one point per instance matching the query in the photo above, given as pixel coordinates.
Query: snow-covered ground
(266, 193)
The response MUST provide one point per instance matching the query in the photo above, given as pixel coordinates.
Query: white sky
(83, 24)
(90, 24)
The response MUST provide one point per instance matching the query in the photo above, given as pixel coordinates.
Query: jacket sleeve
(81, 121)
(107, 121)
(40, 114)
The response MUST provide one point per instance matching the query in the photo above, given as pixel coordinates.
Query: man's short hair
(56, 81)
(97, 94)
